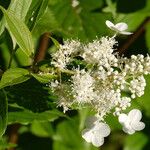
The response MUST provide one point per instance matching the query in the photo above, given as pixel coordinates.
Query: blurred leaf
(5, 145)
(89, 5)
(41, 129)
(70, 140)
(47, 23)
(75, 23)
(2, 26)
(20, 32)
(36, 11)
(136, 141)
(113, 122)
(133, 19)
(28, 141)
(14, 76)
(111, 8)
(25, 117)
(147, 34)
(130, 6)
(44, 78)
(145, 99)
(3, 112)
(5, 51)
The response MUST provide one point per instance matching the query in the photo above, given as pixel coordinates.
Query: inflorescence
(96, 78)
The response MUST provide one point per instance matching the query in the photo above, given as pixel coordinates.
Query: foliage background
(34, 122)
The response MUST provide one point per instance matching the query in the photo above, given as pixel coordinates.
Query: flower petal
(138, 126)
(102, 129)
(89, 122)
(87, 135)
(125, 33)
(97, 141)
(109, 24)
(121, 26)
(123, 118)
(128, 130)
(135, 115)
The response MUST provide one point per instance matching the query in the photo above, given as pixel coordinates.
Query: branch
(141, 29)
(13, 134)
(42, 47)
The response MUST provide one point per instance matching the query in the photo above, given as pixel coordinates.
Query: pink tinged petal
(125, 33)
(97, 141)
(123, 118)
(87, 135)
(121, 26)
(135, 115)
(110, 24)
(138, 126)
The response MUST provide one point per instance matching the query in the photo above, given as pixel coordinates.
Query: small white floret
(95, 131)
(119, 27)
(131, 122)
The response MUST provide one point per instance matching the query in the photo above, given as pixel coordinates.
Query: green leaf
(14, 76)
(19, 31)
(3, 112)
(26, 117)
(20, 8)
(147, 34)
(44, 78)
(56, 43)
(111, 8)
(41, 129)
(68, 137)
(76, 23)
(2, 26)
(5, 145)
(32, 95)
(22, 58)
(136, 141)
(113, 122)
(89, 5)
(47, 23)
(36, 11)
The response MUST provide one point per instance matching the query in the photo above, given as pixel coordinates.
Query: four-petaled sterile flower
(131, 122)
(119, 27)
(95, 131)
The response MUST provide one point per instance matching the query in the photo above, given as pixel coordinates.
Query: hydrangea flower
(119, 27)
(95, 131)
(99, 82)
(131, 122)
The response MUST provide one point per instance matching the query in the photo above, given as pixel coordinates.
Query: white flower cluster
(137, 86)
(82, 87)
(100, 82)
(62, 57)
